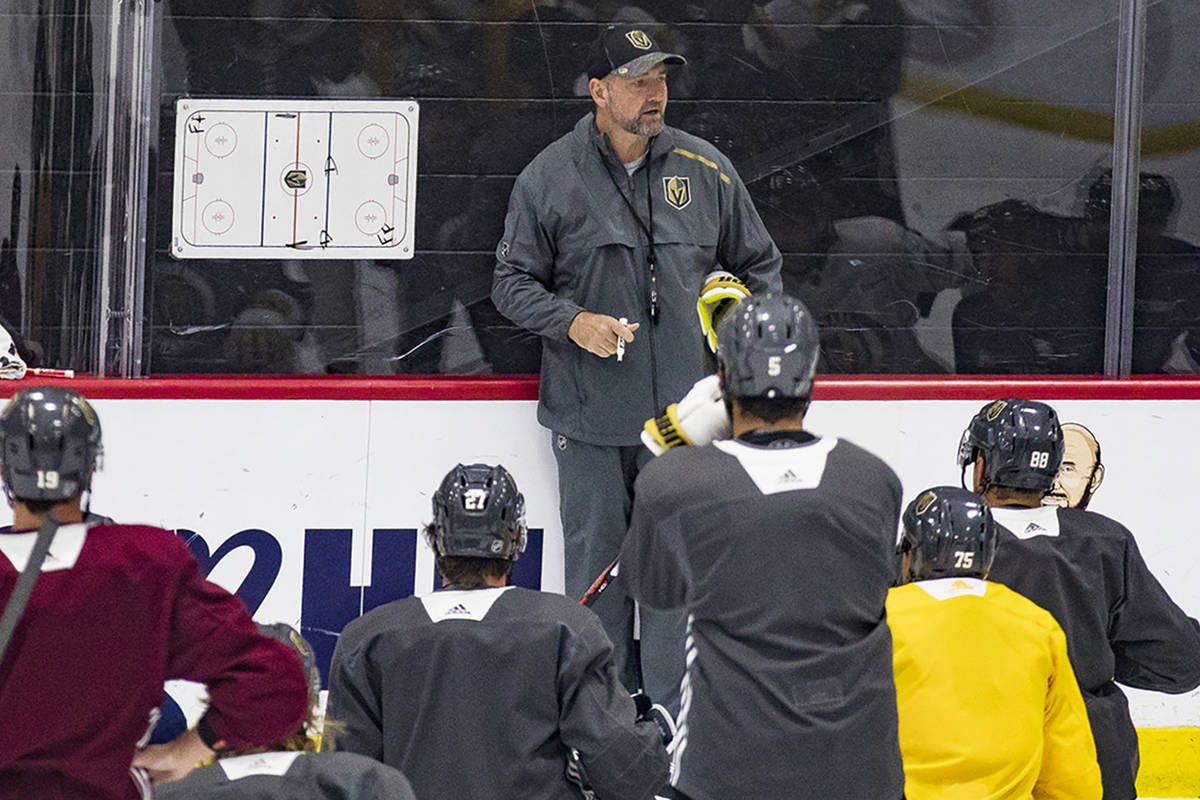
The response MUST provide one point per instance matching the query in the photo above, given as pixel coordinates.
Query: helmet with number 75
(49, 444)
(1020, 442)
(478, 513)
(949, 532)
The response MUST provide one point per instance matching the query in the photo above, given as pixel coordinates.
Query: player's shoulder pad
(1018, 604)
(380, 619)
(157, 544)
(863, 459)
(1077, 521)
(538, 607)
(661, 475)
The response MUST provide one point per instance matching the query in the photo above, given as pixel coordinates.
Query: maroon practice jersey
(117, 610)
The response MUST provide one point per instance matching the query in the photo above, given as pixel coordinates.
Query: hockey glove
(649, 711)
(699, 418)
(721, 292)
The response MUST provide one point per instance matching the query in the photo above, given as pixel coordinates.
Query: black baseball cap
(627, 50)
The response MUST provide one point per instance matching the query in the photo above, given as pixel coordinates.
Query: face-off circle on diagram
(370, 218)
(296, 178)
(220, 140)
(373, 141)
(217, 217)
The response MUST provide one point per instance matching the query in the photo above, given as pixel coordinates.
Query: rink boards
(308, 501)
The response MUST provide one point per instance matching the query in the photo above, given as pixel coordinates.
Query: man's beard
(642, 125)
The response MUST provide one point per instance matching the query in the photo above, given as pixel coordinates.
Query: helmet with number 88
(1020, 441)
(49, 444)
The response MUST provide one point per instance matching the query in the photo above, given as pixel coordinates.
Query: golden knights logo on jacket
(678, 191)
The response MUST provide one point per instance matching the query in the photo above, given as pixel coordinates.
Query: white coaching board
(294, 178)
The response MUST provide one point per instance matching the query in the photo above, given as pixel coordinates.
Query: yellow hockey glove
(721, 292)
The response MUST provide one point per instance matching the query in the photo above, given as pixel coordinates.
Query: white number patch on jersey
(240, 767)
(785, 469)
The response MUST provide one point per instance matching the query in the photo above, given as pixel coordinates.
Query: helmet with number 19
(49, 444)
(1020, 442)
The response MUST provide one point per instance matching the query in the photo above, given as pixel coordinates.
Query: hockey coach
(610, 233)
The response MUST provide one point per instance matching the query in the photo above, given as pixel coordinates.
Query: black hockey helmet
(768, 346)
(950, 532)
(478, 513)
(1158, 198)
(1020, 441)
(49, 444)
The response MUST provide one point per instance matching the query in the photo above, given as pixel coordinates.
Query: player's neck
(747, 423)
(26, 520)
(1002, 496)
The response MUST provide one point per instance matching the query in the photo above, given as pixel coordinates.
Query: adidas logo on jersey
(1033, 529)
(458, 609)
(789, 477)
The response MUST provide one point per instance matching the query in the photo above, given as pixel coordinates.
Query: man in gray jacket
(609, 235)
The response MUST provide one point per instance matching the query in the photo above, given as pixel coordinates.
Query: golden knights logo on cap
(995, 409)
(678, 190)
(639, 40)
(925, 501)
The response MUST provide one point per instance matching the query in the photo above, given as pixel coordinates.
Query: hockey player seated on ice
(1086, 570)
(291, 768)
(780, 544)
(485, 690)
(124, 606)
(989, 706)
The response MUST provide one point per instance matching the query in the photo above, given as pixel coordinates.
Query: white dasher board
(294, 178)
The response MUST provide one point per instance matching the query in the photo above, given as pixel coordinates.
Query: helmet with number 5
(768, 346)
(1020, 441)
(478, 513)
(949, 532)
(49, 444)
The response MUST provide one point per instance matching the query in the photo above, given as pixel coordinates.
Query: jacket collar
(589, 135)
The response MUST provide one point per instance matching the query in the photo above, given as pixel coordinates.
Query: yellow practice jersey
(989, 706)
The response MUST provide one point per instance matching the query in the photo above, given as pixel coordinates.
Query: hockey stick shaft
(601, 583)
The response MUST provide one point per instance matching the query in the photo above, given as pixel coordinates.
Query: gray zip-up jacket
(572, 244)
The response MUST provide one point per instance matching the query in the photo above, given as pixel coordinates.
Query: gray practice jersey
(290, 776)
(781, 547)
(1121, 625)
(483, 693)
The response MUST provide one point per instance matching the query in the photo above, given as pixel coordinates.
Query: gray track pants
(595, 488)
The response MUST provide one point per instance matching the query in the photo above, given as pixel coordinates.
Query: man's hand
(173, 760)
(598, 333)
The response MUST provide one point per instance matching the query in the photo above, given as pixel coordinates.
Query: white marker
(620, 341)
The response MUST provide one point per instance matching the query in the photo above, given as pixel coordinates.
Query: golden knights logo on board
(639, 40)
(677, 190)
